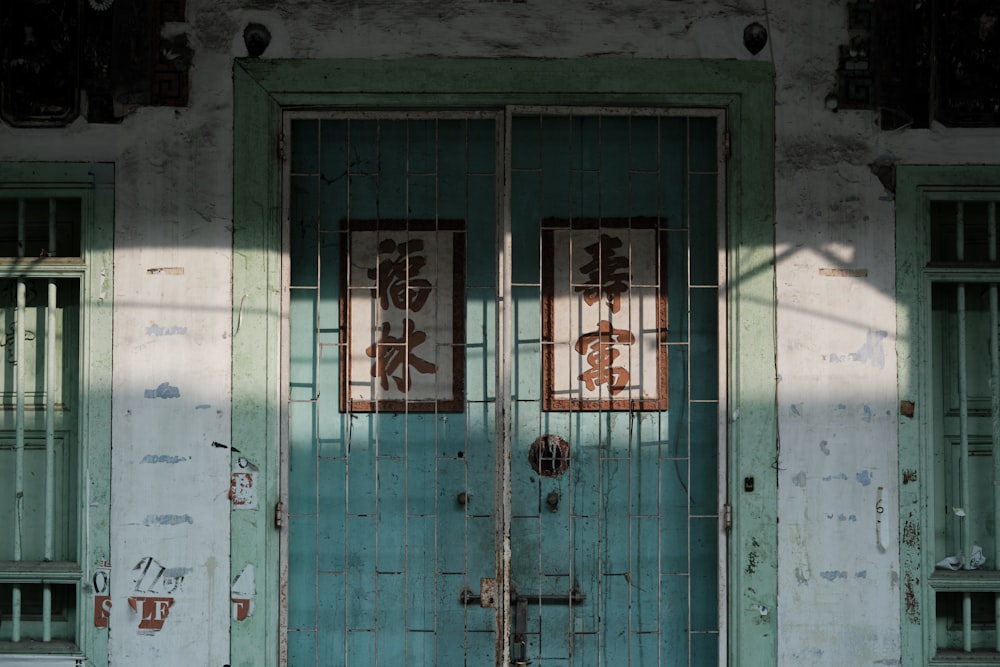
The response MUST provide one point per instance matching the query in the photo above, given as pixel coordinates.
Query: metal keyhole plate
(549, 455)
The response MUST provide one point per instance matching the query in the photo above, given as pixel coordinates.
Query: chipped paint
(167, 519)
(800, 479)
(100, 582)
(844, 273)
(872, 352)
(752, 557)
(163, 458)
(154, 586)
(864, 477)
(833, 575)
(152, 612)
(243, 485)
(163, 390)
(166, 270)
(911, 533)
(155, 329)
(243, 593)
(909, 475)
(911, 601)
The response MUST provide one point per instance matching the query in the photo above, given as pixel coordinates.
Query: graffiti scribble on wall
(153, 593)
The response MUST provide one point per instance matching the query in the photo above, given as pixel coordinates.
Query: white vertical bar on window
(963, 420)
(19, 427)
(50, 444)
(18, 441)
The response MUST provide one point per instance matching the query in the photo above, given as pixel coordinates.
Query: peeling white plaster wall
(838, 568)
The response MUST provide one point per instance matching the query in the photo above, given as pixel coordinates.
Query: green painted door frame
(263, 89)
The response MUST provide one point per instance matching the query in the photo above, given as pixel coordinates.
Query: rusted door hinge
(728, 510)
(279, 515)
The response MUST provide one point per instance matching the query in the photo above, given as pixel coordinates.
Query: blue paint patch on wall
(830, 478)
(156, 330)
(861, 574)
(203, 406)
(164, 390)
(167, 519)
(864, 478)
(163, 458)
(833, 575)
(872, 352)
(800, 479)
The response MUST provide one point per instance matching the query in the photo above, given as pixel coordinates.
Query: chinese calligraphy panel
(604, 315)
(404, 314)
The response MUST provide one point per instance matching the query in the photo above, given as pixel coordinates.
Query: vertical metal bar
(50, 449)
(963, 417)
(503, 389)
(722, 132)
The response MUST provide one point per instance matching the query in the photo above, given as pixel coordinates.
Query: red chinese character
(395, 277)
(394, 356)
(598, 346)
(607, 273)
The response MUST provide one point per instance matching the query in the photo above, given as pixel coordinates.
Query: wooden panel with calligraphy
(604, 315)
(403, 311)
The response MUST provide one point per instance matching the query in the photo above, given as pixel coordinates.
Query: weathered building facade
(561, 333)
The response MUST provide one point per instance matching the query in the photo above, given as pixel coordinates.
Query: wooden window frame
(93, 184)
(917, 187)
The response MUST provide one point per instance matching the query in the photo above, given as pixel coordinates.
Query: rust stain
(167, 270)
(906, 408)
(909, 475)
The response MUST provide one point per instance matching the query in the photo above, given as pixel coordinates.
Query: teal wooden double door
(503, 378)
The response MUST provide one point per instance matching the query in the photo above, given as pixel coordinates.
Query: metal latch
(520, 603)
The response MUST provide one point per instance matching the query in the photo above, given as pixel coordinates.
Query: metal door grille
(39, 575)
(640, 533)
(632, 551)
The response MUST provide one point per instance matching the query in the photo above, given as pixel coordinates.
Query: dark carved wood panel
(111, 50)
(968, 61)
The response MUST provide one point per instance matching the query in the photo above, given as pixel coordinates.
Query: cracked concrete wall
(838, 567)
